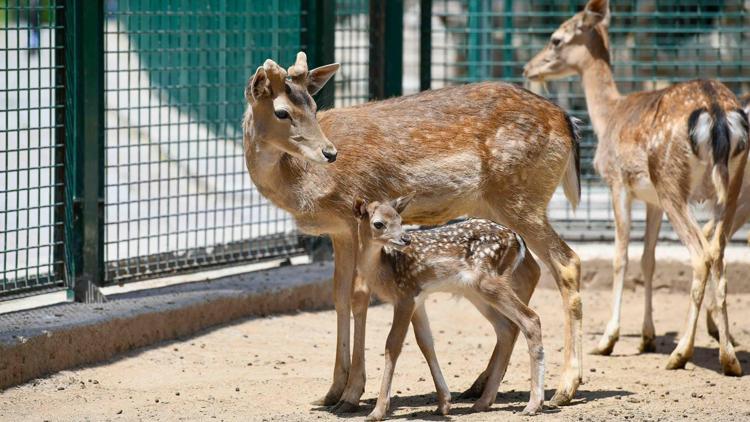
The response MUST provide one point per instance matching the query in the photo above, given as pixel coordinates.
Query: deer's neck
(289, 183)
(601, 93)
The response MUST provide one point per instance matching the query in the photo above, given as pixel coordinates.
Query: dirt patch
(273, 368)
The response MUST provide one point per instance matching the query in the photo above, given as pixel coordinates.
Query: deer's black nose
(330, 156)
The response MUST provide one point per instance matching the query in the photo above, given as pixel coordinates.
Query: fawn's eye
(282, 114)
(378, 225)
(556, 42)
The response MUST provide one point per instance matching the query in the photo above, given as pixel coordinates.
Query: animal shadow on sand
(704, 357)
(424, 405)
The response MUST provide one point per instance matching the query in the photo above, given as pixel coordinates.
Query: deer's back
(448, 145)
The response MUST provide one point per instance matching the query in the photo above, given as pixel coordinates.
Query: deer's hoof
(677, 360)
(647, 345)
(731, 366)
(345, 407)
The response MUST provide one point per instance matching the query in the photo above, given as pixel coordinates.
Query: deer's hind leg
(523, 283)
(648, 262)
(528, 218)
(498, 294)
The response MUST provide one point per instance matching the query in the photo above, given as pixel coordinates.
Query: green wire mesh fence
(177, 193)
(31, 148)
(654, 43)
(174, 195)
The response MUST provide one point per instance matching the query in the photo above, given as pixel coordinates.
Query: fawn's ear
(360, 208)
(318, 77)
(400, 204)
(258, 86)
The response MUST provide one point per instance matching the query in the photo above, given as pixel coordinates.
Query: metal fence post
(386, 48)
(319, 23)
(58, 253)
(425, 44)
(85, 148)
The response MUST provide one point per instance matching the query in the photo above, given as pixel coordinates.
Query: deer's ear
(318, 77)
(400, 204)
(259, 86)
(360, 208)
(595, 12)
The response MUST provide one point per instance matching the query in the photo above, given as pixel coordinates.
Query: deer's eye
(282, 114)
(379, 225)
(556, 42)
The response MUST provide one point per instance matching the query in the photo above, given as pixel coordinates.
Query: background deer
(476, 259)
(488, 150)
(684, 143)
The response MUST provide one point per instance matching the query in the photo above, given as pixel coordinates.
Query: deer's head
(380, 222)
(574, 44)
(284, 112)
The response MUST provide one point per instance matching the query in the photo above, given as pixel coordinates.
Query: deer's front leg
(355, 385)
(402, 314)
(423, 334)
(621, 205)
(648, 261)
(343, 275)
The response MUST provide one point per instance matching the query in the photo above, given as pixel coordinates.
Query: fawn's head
(573, 45)
(380, 222)
(284, 112)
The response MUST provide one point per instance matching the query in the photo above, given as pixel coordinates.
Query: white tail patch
(521, 252)
(737, 133)
(701, 135)
(571, 179)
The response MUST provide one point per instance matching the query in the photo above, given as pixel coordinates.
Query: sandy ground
(273, 368)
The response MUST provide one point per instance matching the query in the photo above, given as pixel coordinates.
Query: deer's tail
(571, 181)
(716, 135)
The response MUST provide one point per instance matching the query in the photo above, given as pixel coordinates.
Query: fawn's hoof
(345, 407)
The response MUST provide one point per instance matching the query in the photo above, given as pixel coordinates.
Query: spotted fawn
(476, 259)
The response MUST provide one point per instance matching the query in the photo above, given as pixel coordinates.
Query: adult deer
(489, 150)
(668, 147)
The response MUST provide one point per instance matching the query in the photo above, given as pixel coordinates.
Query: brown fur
(667, 147)
(489, 150)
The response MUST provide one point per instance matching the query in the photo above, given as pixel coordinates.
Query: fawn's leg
(423, 333)
(355, 385)
(497, 293)
(648, 261)
(402, 315)
(565, 266)
(621, 204)
(343, 274)
(523, 282)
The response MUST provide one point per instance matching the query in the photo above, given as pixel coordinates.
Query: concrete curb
(41, 341)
